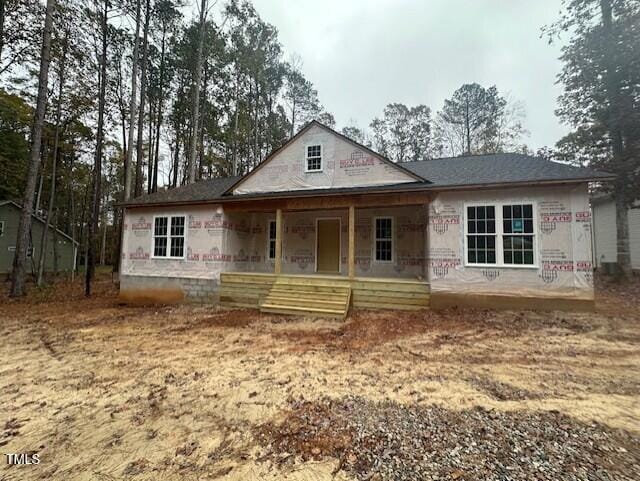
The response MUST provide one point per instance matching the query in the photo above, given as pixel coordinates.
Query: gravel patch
(390, 441)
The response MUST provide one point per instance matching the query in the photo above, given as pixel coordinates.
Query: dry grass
(104, 391)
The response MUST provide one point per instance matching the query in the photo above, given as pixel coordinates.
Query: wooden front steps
(316, 299)
(252, 289)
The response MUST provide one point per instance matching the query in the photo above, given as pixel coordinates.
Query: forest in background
(141, 95)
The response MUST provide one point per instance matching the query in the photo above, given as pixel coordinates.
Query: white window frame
(500, 234)
(168, 236)
(306, 157)
(30, 252)
(1, 228)
(269, 222)
(375, 238)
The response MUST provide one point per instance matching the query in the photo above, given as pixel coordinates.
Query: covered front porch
(323, 255)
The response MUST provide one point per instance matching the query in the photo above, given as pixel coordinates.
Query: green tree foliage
(403, 133)
(478, 120)
(601, 96)
(20, 34)
(15, 126)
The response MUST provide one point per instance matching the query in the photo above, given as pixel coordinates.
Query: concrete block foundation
(167, 290)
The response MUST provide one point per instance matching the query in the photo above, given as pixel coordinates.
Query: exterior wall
(604, 233)
(10, 215)
(605, 236)
(563, 246)
(217, 242)
(634, 236)
(344, 165)
(409, 225)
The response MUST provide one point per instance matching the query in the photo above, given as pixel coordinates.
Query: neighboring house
(605, 238)
(325, 223)
(9, 220)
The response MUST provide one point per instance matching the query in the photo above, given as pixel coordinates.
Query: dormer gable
(318, 157)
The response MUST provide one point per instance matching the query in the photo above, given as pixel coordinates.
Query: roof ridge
(466, 156)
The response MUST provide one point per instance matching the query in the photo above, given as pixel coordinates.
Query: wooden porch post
(278, 266)
(352, 241)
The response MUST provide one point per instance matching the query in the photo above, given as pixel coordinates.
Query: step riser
(304, 303)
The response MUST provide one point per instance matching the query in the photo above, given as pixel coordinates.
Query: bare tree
(24, 227)
(195, 115)
(132, 106)
(56, 140)
(143, 93)
(97, 169)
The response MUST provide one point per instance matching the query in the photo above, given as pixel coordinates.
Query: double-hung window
(313, 158)
(1, 228)
(272, 239)
(383, 238)
(168, 236)
(481, 234)
(517, 234)
(501, 235)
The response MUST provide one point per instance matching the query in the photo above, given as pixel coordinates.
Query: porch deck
(328, 295)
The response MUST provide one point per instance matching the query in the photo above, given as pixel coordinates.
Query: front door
(328, 246)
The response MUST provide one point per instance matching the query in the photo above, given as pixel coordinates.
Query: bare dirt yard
(102, 392)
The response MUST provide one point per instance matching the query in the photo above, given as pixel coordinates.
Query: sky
(364, 54)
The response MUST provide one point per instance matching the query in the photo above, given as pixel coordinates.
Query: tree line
(104, 100)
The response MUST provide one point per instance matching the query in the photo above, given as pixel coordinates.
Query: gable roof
(37, 217)
(304, 129)
(473, 171)
(499, 169)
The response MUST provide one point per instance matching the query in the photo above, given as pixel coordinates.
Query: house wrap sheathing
(238, 242)
(563, 245)
(429, 244)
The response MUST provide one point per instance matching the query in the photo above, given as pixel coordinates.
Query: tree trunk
(143, 93)
(24, 227)
(54, 164)
(132, 106)
(55, 244)
(2, 14)
(154, 183)
(150, 144)
(72, 219)
(613, 87)
(467, 127)
(235, 126)
(97, 170)
(196, 95)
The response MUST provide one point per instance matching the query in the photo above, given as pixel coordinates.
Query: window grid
(1, 228)
(168, 237)
(517, 220)
(272, 239)
(481, 235)
(314, 158)
(383, 239)
(501, 235)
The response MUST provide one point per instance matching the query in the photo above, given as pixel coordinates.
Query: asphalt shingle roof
(497, 169)
(451, 172)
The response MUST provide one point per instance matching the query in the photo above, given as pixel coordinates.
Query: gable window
(168, 236)
(500, 235)
(313, 161)
(383, 235)
(272, 239)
